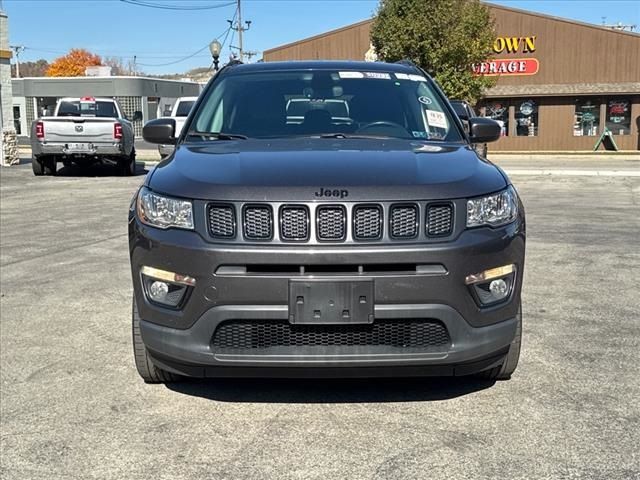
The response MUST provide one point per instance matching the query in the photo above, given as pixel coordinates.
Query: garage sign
(507, 66)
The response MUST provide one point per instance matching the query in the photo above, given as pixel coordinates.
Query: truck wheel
(44, 165)
(128, 166)
(504, 371)
(147, 370)
(37, 166)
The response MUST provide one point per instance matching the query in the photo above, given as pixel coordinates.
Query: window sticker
(418, 134)
(350, 74)
(425, 100)
(410, 76)
(436, 119)
(380, 75)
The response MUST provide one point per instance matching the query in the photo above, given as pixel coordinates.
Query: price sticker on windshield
(436, 119)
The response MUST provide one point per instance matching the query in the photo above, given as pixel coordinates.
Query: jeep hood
(294, 169)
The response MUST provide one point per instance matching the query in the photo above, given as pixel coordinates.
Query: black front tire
(510, 363)
(147, 370)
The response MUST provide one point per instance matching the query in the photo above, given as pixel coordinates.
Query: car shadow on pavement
(96, 170)
(413, 389)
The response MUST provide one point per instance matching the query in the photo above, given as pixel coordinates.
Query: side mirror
(483, 130)
(137, 116)
(161, 131)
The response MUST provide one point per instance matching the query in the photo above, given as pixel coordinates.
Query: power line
(161, 6)
(184, 58)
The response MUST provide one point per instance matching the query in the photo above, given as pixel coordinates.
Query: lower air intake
(253, 335)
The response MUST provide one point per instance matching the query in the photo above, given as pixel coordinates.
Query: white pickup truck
(83, 131)
(179, 113)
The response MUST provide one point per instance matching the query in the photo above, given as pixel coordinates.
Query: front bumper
(181, 340)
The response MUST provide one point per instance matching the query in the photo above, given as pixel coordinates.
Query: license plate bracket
(79, 147)
(322, 302)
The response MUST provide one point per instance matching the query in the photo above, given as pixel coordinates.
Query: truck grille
(439, 220)
(332, 224)
(258, 223)
(367, 222)
(222, 221)
(349, 223)
(404, 221)
(255, 335)
(294, 223)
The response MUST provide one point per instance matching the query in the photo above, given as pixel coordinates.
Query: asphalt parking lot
(73, 406)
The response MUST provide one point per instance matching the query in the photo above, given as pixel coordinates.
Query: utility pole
(17, 49)
(240, 29)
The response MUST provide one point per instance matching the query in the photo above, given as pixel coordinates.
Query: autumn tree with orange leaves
(73, 64)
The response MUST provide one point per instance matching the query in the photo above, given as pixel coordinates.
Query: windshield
(87, 109)
(325, 102)
(184, 108)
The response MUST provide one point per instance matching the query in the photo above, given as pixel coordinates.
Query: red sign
(507, 66)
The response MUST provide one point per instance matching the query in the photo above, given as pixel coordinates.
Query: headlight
(494, 210)
(164, 212)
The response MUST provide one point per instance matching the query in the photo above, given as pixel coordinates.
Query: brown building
(560, 83)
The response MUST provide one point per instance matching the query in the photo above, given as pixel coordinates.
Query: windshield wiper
(218, 135)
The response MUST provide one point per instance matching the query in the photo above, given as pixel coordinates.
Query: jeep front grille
(404, 221)
(332, 222)
(367, 222)
(257, 222)
(350, 223)
(222, 221)
(394, 334)
(294, 223)
(439, 220)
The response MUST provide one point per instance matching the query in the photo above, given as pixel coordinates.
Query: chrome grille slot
(294, 223)
(367, 222)
(439, 220)
(331, 222)
(222, 221)
(257, 222)
(404, 221)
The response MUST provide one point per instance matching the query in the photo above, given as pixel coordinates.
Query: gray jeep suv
(369, 240)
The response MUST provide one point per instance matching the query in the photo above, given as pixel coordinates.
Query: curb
(573, 173)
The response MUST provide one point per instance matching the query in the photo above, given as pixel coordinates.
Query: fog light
(492, 286)
(158, 291)
(164, 288)
(499, 289)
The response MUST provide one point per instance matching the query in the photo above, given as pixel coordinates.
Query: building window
(619, 116)
(17, 120)
(499, 111)
(527, 118)
(586, 118)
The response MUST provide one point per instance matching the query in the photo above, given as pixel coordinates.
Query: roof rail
(406, 61)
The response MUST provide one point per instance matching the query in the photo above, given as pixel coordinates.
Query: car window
(184, 107)
(304, 103)
(87, 109)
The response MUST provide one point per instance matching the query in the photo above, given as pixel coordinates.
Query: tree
(444, 37)
(31, 69)
(73, 64)
(119, 66)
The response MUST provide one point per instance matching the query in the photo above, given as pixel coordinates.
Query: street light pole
(215, 48)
